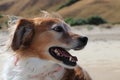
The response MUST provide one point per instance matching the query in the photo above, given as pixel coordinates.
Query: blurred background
(68, 9)
(97, 19)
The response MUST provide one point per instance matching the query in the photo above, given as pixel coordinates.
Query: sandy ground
(101, 56)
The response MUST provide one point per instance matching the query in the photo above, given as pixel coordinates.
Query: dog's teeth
(70, 59)
(56, 51)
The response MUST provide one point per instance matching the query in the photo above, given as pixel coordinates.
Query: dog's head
(48, 39)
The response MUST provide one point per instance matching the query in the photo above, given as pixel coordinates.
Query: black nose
(83, 40)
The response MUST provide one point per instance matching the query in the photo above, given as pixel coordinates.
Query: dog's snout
(83, 40)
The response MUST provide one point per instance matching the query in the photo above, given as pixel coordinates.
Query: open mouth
(63, 55)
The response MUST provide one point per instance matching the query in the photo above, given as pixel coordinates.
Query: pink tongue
(63, 53)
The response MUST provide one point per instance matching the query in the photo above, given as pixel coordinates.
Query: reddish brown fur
(39, 38)
(40, 25)
(76, 74)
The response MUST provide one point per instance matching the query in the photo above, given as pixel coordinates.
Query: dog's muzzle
(64, 56)
(82, 41)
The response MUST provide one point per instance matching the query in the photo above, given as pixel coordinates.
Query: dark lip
(78, 48)
(63, 56)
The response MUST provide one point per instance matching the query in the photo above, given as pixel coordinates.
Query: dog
(40, 51)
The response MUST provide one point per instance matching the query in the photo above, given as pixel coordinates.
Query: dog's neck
(39, 68)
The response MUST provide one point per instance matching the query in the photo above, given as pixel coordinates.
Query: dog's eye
(58, 29)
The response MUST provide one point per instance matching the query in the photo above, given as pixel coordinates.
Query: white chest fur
(33, 69)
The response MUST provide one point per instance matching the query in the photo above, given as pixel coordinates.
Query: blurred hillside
(108, 9)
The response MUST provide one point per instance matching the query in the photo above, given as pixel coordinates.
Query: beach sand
(100, 58)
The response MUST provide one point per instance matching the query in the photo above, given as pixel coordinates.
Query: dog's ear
(23, 35)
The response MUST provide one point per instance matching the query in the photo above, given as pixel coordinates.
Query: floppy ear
(23, 34)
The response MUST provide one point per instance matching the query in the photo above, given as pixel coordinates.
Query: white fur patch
(32, 69)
